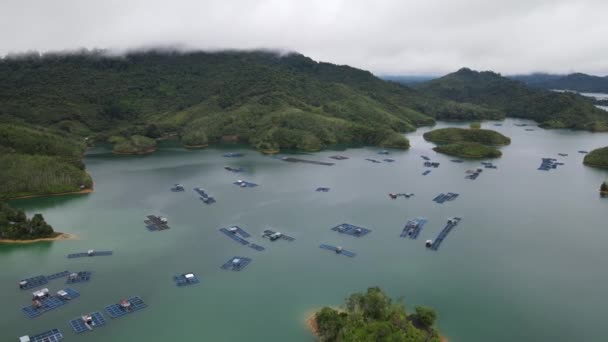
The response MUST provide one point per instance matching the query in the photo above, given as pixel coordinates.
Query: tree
(604, 187)
(329, 322)
(425, 315)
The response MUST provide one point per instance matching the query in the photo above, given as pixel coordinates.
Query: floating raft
(79, 277)
(529, 129)
(322, 189)
(413, 227)
(177, 188)
(33, 282)
(338, 250)
(352, 230)
(431, 164)
(549, 164)
(57, 275)
(236, 230)
(388, 160)
(497, 124)
(233, 155)
(53, 335)
(441, 198)
(234, 236)
(384, 152)
(90, 253)
(207, 200)
(562, 154)
(583, 152)
(425, 157)
(338, 157)
(298, 160)
(404, 195)
(236, 263)
(256, 247)
(272, 235)
(49, 302)
(244, 184)
(434, 245)
(185, 279)
(155, 223)
(233, 169)
(79, 326)
(372, 160)
(473, 174)
(457, 161)
(118, 310)
(426, 172)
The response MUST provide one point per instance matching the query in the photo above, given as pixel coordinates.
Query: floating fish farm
(372, 160)
(489, 165)
(473, 174)
(562, 154)
(404, 195)
(426, 172)
(425, 157)
(156, 223)
(233, 155)
(442, 198)
(44, 302)
(53, 335)
(431, 164)
(383, 152)
(338, 250)
(79, 277)
(185, 279)
(37, 281)
(457, 161)
(388, 160)
(234, 169)
(244, 184)
(338, 157)
(273, 236)
(351, 230)
(125, 307)
(234, 232)
(204, 196)
(413, 227)
(80, 326)
(322, 189)
(583, 152)
(298, 160)
(90, 253)
(434, 245)
(236, 263)
(177, 188)
(549, 164)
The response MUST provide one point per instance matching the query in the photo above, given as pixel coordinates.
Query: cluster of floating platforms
(338, 157)
(177, 188)
(156, 223)
(89, 253)
(235, 231)
(351, 230)
(273, 236)
(244, 184)
(373, 160)
(298, 160)
(338, 250)
(426, 172)
(125, 307)
(205, 197)
(236, 263)
(431, 164)
(549, 164)
(53, 335)
(44, 302)
(234, 169)
(413, 227)
(185, 279)
(404, 195)
(442, 198)
(434, 245)
(79, 277)
(489, 165)
(233, 155)
(37, 281)
(94, 320)
(473, 174)
(322, 189)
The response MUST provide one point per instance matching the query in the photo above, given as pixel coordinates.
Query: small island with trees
(15, 227)
(373, 316)
(604, 189)
(597, 158)
(467, 143)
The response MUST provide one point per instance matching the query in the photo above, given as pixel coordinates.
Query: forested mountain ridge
(515, 99)
(579, 82)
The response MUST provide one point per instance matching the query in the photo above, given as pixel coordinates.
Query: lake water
(526, 263)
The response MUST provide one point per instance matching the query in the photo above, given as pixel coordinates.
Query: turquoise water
(527, 262)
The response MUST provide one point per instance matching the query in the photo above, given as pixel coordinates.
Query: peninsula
(15, 227)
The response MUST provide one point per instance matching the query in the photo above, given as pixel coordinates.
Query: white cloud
(386, 37)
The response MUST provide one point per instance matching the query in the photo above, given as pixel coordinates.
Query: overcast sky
(387, 37)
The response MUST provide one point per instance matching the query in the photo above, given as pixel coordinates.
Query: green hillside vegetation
(597, 158)
(468, 150)
(14, 225)
(515, 99)
(38, 161)
(604, 187)
(457, 135)
(135, 144)
(576, 82)
(373, 316)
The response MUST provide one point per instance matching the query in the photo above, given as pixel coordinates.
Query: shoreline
(196, 146)
(80, 192)
(148, 151)
(59, 237)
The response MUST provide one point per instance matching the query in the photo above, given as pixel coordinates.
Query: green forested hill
(515, 99)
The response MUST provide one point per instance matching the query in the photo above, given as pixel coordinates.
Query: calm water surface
(527, 262)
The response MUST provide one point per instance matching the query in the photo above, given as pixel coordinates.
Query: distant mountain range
(578, 82)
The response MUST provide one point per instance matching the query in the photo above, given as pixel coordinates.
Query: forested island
(373, 316)
(15, 226)
(597, 158)
(467, 143)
